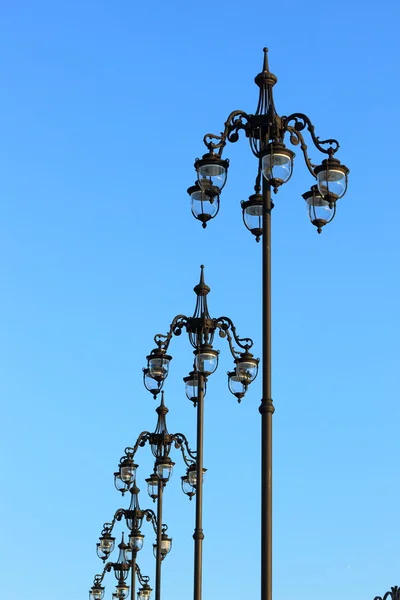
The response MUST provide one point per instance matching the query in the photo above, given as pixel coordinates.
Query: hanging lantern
(321, 209)
(204, 204)
(252, 211)
(206, 359)
(212, 172)
(277, 164)
(332, 177)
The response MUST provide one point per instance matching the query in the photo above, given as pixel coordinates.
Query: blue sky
(103, 110)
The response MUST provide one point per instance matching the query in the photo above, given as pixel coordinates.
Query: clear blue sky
(103, 108)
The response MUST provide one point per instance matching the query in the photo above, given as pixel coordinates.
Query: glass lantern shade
(158, 364)
(136, 539)
(120, 485)
(127, 470)
(206, 359)
(166, 544)
(321, 210)
(332, 177)
(204, 204)
(187, 488)
(105, 546)
(144, 592)
(152, 486)
(236, 385)
(192, 386)
(253, 215)
(96, 592)
(246, 368)
(192, 475)
(121, 590)
(163, 468)
(277, 163)
(151, 384)
(212, 172)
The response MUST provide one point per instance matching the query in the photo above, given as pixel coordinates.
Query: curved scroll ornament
(233, 125)
(228, 330)
(162, 340)
(393, 594)
(300, 122)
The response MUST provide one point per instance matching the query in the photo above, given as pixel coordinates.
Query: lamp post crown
(201, 289)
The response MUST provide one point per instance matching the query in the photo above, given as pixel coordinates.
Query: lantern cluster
(277, 169)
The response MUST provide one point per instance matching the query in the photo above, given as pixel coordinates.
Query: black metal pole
(267, 407)
(159, 533)
(198, 534)
(133, 574)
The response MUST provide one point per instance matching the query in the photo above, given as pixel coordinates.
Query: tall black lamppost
(266, 132)
(201, 328)
(160, 442)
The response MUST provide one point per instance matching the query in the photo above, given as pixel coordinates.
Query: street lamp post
(160, 442)
(201, 329)
(266, 131)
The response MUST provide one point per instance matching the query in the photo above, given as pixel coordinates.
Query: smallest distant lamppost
(161, 442)
(201, 329)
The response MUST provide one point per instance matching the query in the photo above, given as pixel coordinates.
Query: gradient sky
(103, 109)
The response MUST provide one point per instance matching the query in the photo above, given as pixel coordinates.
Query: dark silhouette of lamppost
(266, 132)
(160, 442)
(393, 594)
(201, 329)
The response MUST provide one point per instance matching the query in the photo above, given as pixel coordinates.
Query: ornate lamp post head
(266, 132)
(121, 567)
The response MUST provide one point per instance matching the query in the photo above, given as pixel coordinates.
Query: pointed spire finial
(265, 67)
(201, 289)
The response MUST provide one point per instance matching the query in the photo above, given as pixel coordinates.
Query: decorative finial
(201, 289)
(265, 67)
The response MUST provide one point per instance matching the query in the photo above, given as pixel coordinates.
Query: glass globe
(332, 178)
(277, 163)
(206, 359)
(246, 367)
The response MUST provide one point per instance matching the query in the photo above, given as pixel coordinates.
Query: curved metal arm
(300, 122)
(297, 138)
(143, 437)
(108, 527)
(99, 578)
(232, 125)
(394, 594)
(142, 579)
(151, 517)
(163, 340)
(181, 443)
(227, 329)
